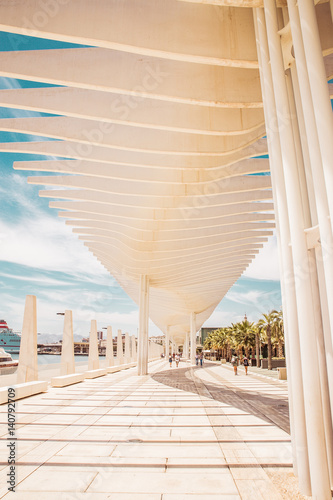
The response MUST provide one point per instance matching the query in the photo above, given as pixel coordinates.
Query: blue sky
(40, 255)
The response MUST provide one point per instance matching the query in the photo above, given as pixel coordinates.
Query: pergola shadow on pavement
(271, 408)
(172, 435)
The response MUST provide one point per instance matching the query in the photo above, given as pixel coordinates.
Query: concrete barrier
(282, 373)
(23, 390)
(95, 373)
(276, 363)
(118, 368)
(65, 380)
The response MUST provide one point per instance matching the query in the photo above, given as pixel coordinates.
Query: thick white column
(318, 179)
(193, 337)
(109, 347)
(319, 90)
(311, 219)
(120, 351)
(319, 474)
(93, 359)
(28, 365)
(167, 342)
(67, 365)
(294, 367)
(133, 349)
(127, 348)
(187, 345)
(143, 325)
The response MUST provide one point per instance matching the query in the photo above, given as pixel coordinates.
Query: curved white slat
(207, 38)
(146, 113)
(132, 75)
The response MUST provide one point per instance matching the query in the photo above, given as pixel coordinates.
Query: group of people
(176, 358)
(235, 361)
(199, 358)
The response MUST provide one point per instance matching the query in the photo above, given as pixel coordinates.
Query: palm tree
(267, 323)
(278, 333)
(258, 334)
(218, 340)
(245, 335)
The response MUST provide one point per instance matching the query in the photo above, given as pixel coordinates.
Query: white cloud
(34, 279)
(219, 318)
(9, 83)
(255, 302)
(49, 323)
(250, 297)
(41, 241)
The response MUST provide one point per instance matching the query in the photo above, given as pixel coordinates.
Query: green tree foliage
(247, 337)
(269, 323)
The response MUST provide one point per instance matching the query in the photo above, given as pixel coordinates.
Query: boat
(7, 364)
(9, 340)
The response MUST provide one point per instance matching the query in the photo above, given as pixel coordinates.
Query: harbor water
(49, 359)
(49, 366)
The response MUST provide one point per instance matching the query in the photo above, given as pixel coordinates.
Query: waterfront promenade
(176, 434)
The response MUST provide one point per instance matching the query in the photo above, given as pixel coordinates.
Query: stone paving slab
(178, 434)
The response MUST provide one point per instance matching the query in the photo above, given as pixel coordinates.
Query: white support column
(28, 365)
(311, 218)
(318, 179)
(67, 365)
(319, 474)
(133, 350)
(294, 367)
(319, 90)
(187, 346)
(143, 325)
(93, 359)
(109, 347)
(120, 349)
(193, 338)
(149, 349)
(167, 342)
(127, 348)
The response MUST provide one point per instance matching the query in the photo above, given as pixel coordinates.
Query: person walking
(201, 359)
(234, 362)
(246, 364)
(197, 359)
(177, 358)
(170, 360)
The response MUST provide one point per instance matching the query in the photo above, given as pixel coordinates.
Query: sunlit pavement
(186, 433)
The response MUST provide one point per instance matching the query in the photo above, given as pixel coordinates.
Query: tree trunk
(257, 350)
(280, 349)
(269, 346)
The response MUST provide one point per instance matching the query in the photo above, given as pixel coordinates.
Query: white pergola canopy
(159, 123)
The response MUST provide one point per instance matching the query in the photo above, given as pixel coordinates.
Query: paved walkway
(177, 434)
